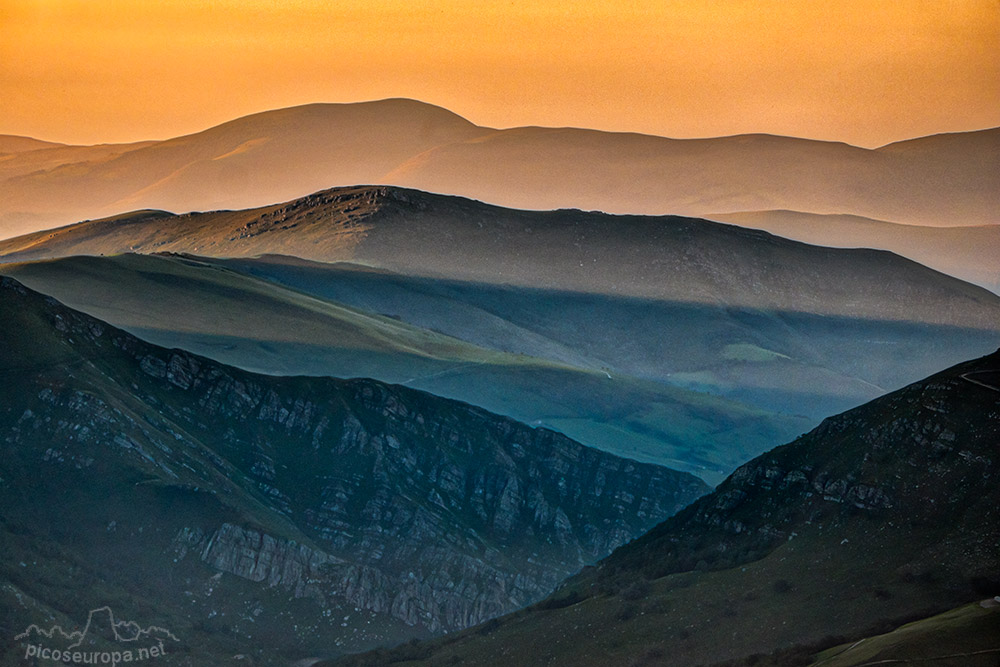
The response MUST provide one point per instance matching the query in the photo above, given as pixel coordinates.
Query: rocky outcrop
(345, 494)
(438, 602)
(457, 515)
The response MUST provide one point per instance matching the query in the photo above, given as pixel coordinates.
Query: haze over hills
(10, 143)
(250, 161)
(302, 514)
(887, 511)
(23, 157)
(209, 308)
(780, 325)
(945, 180)
(783, 359)
(421, 234)
(296, 516)
(968, 253)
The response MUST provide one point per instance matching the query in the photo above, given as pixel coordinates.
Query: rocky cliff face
(458, 515)
(337, 495)
(882, 514)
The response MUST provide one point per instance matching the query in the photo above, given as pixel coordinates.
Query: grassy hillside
(968, 636)
(170, 300)
(770, 323)
(211, 309)
(792, 362)
(791, 327)
(666, 258)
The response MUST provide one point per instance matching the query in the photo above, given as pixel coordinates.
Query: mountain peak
(946, 180)
(385, 113)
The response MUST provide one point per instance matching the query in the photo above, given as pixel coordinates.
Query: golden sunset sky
(863, 71)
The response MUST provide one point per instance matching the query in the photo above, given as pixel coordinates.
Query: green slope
(786, 360)
(774, 325)
(661, 298)
(968, 636)
(170, 299)
(198, 305)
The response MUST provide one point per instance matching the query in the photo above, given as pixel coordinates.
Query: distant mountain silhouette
(942, 180)
(10, 143)
(969, 253)
(251, 161)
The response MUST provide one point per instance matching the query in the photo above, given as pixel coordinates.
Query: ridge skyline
(140, 139)
(650, 334)
(944, 180)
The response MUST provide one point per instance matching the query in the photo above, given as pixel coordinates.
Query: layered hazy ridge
(673, 340)
(940, 181)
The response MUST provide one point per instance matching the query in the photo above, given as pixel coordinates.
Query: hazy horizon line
(233, 119)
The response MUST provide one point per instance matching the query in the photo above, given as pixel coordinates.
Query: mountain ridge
(228, 313)
(963, 252)
(794, 328)
(337, 225)
(886, 511)
(409, 513)
(941, 180)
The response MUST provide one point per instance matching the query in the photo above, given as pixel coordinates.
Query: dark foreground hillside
(887, 513)
(277, 518)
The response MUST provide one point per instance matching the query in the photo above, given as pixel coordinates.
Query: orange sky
(863, 71)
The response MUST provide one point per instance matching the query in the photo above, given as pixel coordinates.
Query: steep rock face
(441, 503)
(886, 512)
(346, 494)
(443, 514)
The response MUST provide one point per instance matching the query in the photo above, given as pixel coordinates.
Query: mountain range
(884, 514)
(268, 394)
(276, 517)
(235, 318)
(968, 253)
(668, 330)
(939, 181)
